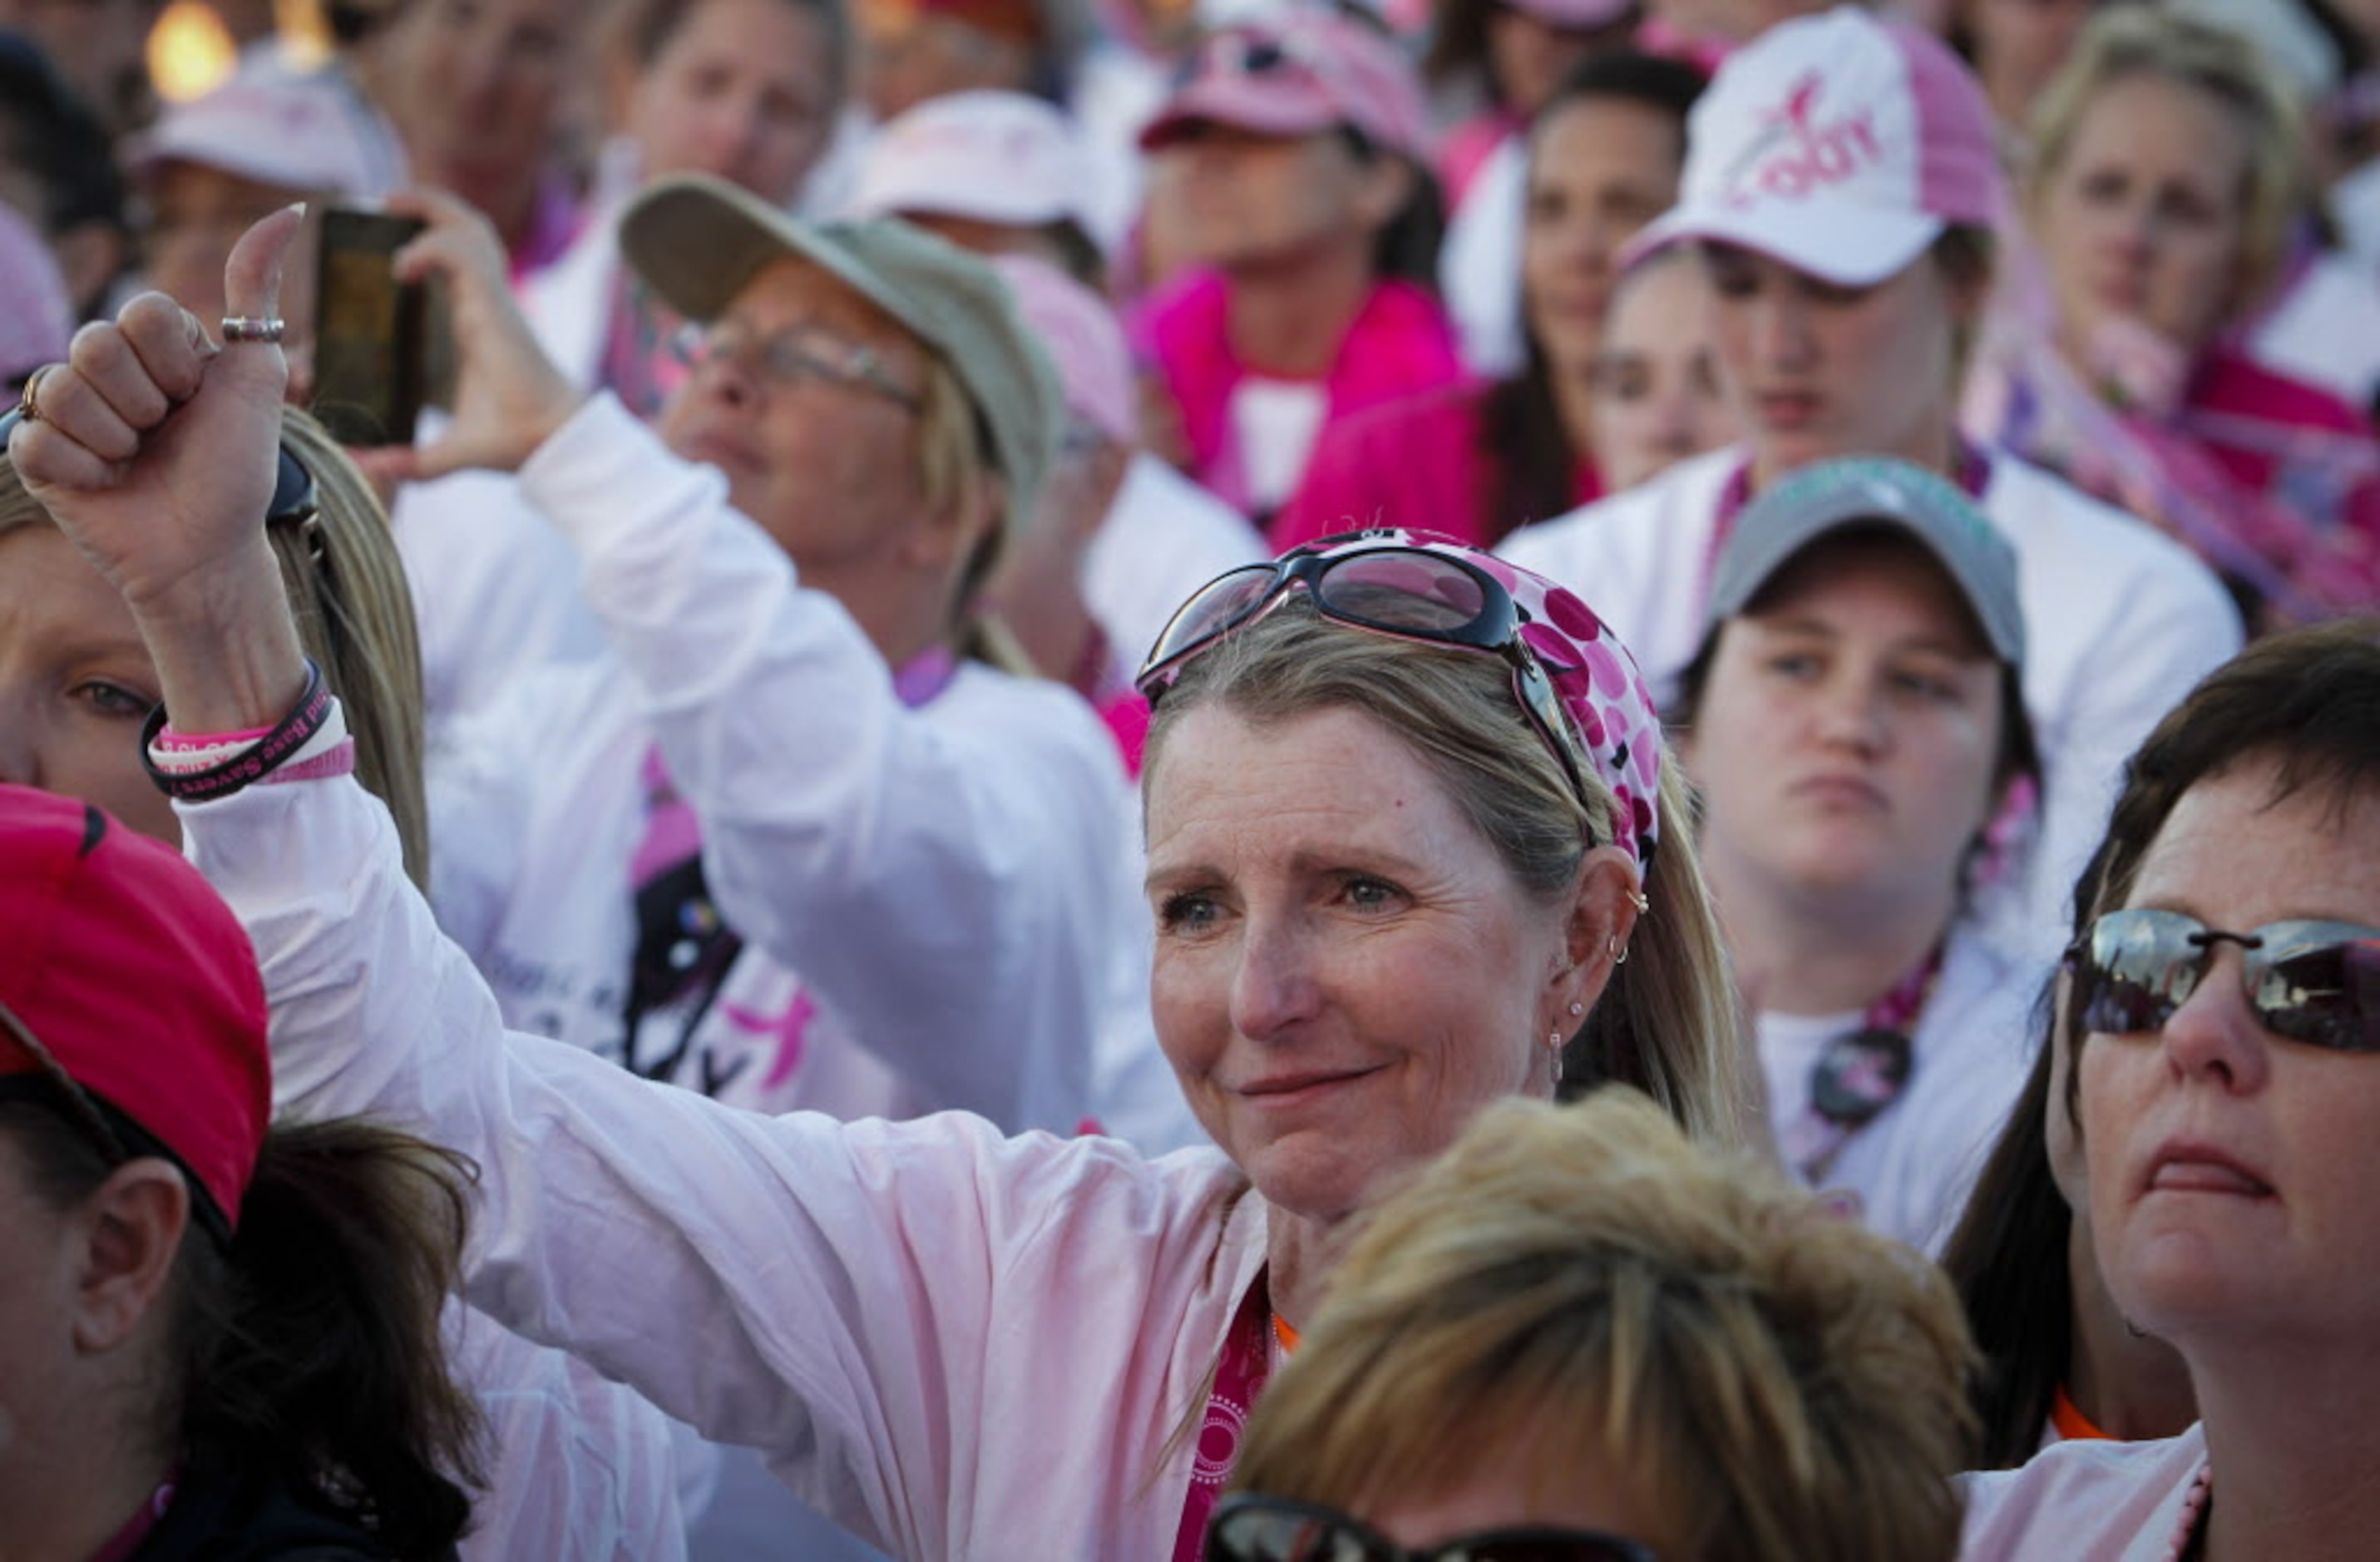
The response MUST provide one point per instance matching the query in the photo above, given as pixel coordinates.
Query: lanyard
(1239, 1378)
(1860, 1074)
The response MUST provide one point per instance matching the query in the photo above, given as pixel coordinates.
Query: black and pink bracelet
(239, 760)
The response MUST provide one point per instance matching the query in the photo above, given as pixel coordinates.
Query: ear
(1599, 920)
(130, 1231)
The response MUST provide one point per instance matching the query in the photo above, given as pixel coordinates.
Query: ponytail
(312, 1344)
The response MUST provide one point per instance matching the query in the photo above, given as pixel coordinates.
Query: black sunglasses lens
(2136, 969)
(2326, 994)
(1404, 592)
(1219, 604)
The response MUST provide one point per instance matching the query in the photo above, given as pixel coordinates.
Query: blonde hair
(1666, 1021)
(354, 612)
(2126, 40)
(958, 476)
(1574, 1284)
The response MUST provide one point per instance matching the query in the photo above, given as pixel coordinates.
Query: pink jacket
(1422, 462)
(1400, 343)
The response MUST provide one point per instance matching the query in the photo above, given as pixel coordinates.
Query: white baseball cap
(299, 132)
(991, 156)
(1839, 144)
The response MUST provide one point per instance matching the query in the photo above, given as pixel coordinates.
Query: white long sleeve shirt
(957, 1344)
(942, 879)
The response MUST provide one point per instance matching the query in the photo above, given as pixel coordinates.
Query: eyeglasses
(1407, 592)
(802, 355)
(1259, 1528)
(2313, 982)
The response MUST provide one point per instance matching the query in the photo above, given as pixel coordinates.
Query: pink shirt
(1400, 343)
(1422, 462)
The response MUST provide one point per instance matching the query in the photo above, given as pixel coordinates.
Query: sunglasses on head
(1259, 1528)
(1406, 592)
(2313, 982)
(1237, 53)
(293, 502)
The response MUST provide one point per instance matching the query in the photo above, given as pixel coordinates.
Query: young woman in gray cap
(1855, 726)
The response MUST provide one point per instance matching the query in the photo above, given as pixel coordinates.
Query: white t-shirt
(1163, 538)
(1914, 1163)
(1275, 424)
(1479, 264)
(2121, 622)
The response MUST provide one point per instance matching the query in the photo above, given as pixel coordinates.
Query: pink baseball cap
(274, 126)
(136, 982)
(1839, 144)
(1299, 74)
(993, 156)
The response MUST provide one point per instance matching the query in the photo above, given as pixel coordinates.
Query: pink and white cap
(1299, 74)
(1079, 331)
(991, 156)
(1839, 144)
(295, 132)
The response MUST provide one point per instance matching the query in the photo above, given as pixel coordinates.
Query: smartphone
(371, 336)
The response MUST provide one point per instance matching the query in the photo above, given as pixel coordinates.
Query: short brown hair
(1582, 1282)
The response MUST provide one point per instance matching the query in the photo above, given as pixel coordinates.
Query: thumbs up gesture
(155, 447)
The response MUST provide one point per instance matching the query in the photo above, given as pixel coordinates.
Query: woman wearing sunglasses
(2222, 1003)
(1291, 169)
(1854, 729)
(1840, 184)
(1578, 1337)
(1413, 847)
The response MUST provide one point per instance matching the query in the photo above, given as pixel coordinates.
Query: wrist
(227, 654)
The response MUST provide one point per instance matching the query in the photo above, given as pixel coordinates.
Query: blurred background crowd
(1929, 394)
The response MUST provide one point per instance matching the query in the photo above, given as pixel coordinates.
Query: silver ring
(251, 328)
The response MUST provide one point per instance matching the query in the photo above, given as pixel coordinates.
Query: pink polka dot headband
(1574, 680)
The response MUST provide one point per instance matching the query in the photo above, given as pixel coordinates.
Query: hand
(155, 453)
(155, 448)
(508, 396)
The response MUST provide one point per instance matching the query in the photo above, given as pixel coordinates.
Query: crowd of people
(1260, 781)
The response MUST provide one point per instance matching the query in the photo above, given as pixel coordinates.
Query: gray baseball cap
(1874, 491)
(697, 241)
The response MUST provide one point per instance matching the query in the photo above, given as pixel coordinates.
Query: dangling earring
(1554, 1046)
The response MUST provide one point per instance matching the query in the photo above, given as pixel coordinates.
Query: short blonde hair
(1581, 1282)
(355, 618)
(2126, 40)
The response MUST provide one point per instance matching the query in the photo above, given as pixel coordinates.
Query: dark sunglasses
(1407, 592)
(1259, 1528)
(2313, 982)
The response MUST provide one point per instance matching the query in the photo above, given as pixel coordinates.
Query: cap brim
(1732, 590)
(696, 240)
(1839, 242)
(1276, 109)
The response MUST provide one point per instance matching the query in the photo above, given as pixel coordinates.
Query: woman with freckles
(1414, 847)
